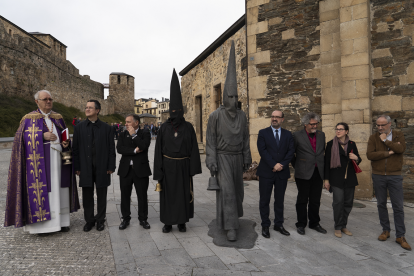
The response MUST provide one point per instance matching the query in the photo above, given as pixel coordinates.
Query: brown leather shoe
(384, 236)
(338, 234)
(346, 231)
(404, 244)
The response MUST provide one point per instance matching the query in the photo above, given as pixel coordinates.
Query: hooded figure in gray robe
(228, 153)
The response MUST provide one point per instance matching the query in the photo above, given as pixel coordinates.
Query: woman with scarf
(340, 176)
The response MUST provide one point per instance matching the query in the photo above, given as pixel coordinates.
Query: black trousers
(342, 203)
(265, 190)
(309, 191)
(141, 188)
(88, 204)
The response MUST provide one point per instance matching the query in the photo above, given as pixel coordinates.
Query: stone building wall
(392, 65)
(201, 84)
(283, 62)
(346, 78)
(348, 60)
(27, 66)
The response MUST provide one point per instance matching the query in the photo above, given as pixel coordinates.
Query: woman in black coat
(340, 176)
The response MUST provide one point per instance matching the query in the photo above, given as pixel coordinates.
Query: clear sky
(143, 38)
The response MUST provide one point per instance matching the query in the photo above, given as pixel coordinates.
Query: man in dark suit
(309, 172)
(94, 162)
(134, 170)
(276, 148)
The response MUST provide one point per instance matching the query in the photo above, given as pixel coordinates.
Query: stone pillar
(331, 72)
(257, 84)
(355, 41)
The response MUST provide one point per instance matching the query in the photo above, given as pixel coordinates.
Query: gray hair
(36, 96)
(386, 117)
(306, 119)
(134, 116)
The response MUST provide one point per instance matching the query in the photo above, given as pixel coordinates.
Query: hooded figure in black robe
(176, 161)
(228, 153)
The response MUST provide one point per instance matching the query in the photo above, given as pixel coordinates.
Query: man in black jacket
(94, 162)
(134, 169)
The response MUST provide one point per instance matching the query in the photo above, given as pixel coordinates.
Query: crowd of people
(49, 185)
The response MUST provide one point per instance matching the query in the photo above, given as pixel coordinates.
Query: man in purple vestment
(41, 191)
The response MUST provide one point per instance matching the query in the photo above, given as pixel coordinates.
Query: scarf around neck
(335, 159)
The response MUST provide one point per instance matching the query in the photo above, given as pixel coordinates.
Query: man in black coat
(134, 169)
(94, 161)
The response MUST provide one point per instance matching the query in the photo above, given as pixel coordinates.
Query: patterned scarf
(335, 159)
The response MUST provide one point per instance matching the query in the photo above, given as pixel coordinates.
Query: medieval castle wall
(29, 63)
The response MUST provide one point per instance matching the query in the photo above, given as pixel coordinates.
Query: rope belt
(191, 179)
(176, 158)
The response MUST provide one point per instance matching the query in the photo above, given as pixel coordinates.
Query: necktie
(277, 137)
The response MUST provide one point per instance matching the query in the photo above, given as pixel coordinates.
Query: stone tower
(121, 90)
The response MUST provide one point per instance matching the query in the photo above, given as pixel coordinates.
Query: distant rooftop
(147, 115)
(39, 33)
(120, 73)
(106, 85)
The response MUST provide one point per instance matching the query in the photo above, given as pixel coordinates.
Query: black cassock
(176, 161)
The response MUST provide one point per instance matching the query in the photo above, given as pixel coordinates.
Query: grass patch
(12, 109)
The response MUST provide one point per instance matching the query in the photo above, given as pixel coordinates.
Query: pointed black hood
(176, 101)
(230, 86)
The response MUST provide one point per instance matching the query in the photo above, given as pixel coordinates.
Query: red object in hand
(65, 135)
(356, 167)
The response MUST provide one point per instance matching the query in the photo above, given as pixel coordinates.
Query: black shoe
(124, 224)
(281, 230)
(301, 230)
(182, 228)
(88, 226)
(265, 232)
(145, 224)
(100, 226)
(166, 228)
(64, 229)
(319, 229)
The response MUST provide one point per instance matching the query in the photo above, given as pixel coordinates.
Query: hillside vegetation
(12, 109)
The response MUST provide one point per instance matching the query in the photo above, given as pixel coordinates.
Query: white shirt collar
(274, 129)
(46, 114)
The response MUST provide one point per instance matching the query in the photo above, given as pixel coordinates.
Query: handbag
(356, 167)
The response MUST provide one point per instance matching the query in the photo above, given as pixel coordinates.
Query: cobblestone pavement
(71, 253)
(136, 251)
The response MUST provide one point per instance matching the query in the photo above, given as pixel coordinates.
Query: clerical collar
(93, 122)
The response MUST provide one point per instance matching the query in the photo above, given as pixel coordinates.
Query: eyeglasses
(276, 117)
(90, 108)
(46, 100)
(382, 125)
(339, 129)
(315, 124)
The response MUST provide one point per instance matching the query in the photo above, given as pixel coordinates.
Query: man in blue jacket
(276, 149)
